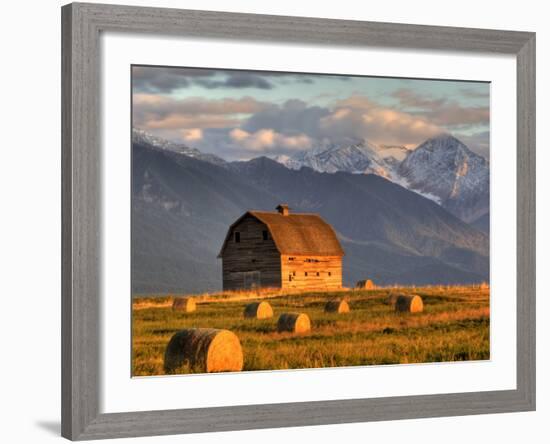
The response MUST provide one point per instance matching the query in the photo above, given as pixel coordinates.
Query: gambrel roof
(296, 233)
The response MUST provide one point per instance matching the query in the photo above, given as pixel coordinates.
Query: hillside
(181, 208)
(183, 205)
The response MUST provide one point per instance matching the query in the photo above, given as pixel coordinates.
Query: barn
(279, 249)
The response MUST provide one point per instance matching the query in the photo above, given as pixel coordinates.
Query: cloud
(150, 79)
(152, 111)
(182, 121)
(192, 134)
(455, 115)
(442, 111)
(237, 80)
(479, 142)
(267, 139)
(408, 97)
(293, 116)
(154, 79)
(165, 80)
(244, 127)
(197, 105)
(360, 118)
(296, 126)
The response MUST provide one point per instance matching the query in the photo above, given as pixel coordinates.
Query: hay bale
(392, 298)
(204, 350)
(184, 304)
(365, 284)
(258, 310)
(337, 306)
(294, 322)
(410, 303)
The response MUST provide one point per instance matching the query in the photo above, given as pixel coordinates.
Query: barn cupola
(282, 209)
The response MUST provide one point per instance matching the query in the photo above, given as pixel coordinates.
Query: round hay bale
(184, 304)
(258, 310)
(204, 350)
(365, 284)
(409, 303)
(392, 298)
(337, 306)
(294, 322)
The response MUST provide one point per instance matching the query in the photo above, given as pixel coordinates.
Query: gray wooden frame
(81, 234)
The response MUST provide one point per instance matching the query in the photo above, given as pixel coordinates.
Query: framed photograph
(278, 221)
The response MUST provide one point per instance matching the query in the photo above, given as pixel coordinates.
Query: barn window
(293, 273)
(265, 235)
(291, 258)
(317, 273)
(306, 273)
(237, 236)
(330, 273)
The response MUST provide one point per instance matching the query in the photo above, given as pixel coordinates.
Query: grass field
(454, 326)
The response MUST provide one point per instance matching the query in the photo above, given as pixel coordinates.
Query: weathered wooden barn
(281, 250)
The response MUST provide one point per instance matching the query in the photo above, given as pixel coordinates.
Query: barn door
(251, 279)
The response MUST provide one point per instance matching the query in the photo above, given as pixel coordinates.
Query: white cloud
(192, 134)
(359, 118)
(267, 138)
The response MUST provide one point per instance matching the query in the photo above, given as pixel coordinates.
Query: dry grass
(454, 326)
(161, 301)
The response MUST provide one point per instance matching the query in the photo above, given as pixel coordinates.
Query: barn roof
(296, 233)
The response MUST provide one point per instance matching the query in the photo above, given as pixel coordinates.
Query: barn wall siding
(251, 254)
(311, 272)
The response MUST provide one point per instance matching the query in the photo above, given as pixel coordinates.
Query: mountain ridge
(441, 168)
(182, 206)
(446, 168)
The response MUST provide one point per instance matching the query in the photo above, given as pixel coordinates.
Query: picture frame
(81, 207)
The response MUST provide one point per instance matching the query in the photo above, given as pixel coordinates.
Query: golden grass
(453, 326)
(161, 301)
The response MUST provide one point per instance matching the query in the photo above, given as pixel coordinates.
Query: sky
(239, 115)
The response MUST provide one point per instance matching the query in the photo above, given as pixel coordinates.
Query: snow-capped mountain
(141, 136)
(393, 154)
(444, 167)
(359, 158)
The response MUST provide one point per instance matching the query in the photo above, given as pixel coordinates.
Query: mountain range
(144, 138)
(442, 169)
(362, 157)
(183, 202)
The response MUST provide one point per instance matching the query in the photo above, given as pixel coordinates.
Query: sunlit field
(454, 326)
